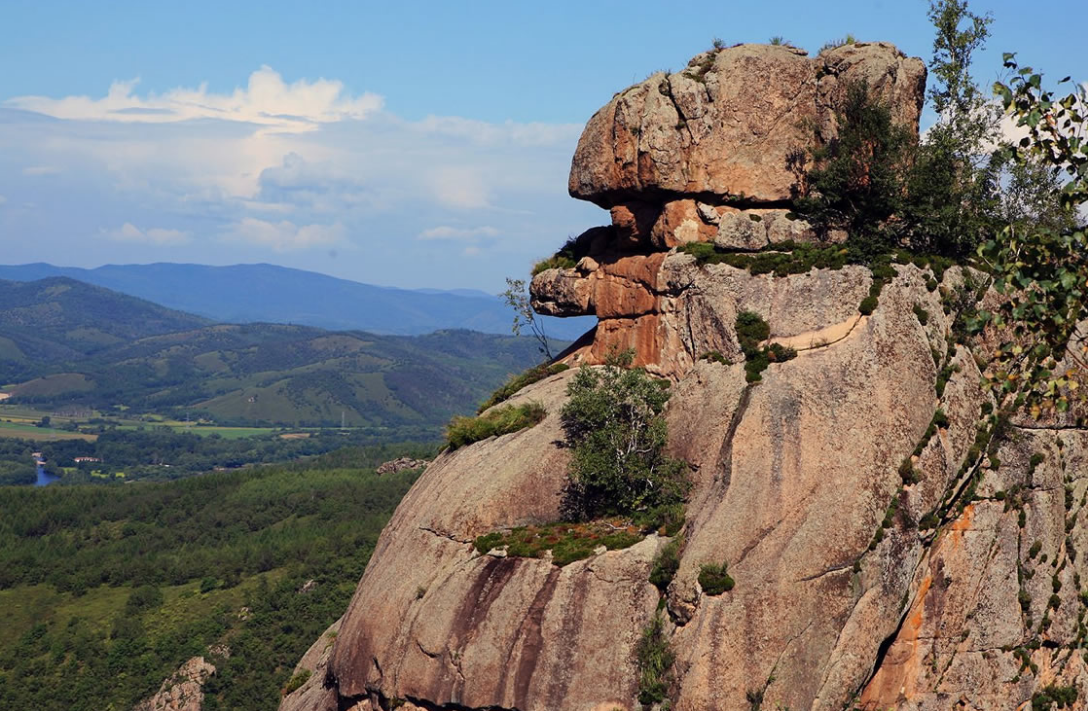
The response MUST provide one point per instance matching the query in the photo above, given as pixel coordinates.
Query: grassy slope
(75, 634)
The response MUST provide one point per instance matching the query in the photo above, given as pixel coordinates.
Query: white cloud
(159, 236)
(462, 233)
(458, 186)
(526, 134)
(3, 199)
(267, 100)
(41, 170)
(411, 192)
(285, 235)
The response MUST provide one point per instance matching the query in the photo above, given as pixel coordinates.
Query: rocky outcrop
(313, 694)
(793, 477)
(733, 124)
(876, 566)
(183, 691)
(401, 464)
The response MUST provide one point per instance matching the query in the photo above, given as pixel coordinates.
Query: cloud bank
(304, 172)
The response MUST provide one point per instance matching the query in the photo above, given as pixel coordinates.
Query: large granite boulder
(733, 123)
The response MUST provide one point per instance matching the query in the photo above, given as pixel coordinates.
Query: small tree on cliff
(517, 298)
(858, 181)
(614, 423)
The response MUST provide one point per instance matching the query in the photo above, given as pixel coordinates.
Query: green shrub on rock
(714, 579)
(522, 380)
(666, 563)
(499, 421)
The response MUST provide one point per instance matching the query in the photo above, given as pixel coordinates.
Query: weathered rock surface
(183, 691)
(731, 124)
(792, 479)
(313, 694)
(843, 599)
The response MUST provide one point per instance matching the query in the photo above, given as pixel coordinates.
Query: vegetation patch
(296, 681)
(614, 424)
(836, 43)
(715, 579)
(566, 258)
(715, 357)
(751, 331)
(100, 587)
(522, 380)
(666, 563)
(1053, 696)
(781, 259)
(503, 420)
(568, 542)
(655, 660)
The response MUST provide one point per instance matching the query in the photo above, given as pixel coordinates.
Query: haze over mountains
(272, 294)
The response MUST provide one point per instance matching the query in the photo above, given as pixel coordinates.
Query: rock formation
(401, 464)
(183, 691)
(818, 485)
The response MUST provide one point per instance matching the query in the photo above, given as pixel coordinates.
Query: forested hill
(105, 591)
(264, 292)
(64, 343)
(58, 318)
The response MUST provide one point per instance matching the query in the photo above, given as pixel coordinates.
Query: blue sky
(425, 144)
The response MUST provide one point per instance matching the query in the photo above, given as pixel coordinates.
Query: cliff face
(846, 591)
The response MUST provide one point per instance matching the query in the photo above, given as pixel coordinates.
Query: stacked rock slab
(792, 476)
(714, 153)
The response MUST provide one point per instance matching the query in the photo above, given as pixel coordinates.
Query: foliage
(655, 660)
(752, 330)
(517, 298)
(952, 185)
(1041, 272)
(714, 579)
(857, 182)
(665, 519)
(1053, 696)
(296, 681)
(100, 587)
(613, 422)
(462, 431)
(523, 380)
(567, 257)
(568, 542)
(715, 357)
(666, 563)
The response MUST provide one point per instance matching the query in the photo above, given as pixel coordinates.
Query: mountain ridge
(64, 342)
(244, 293)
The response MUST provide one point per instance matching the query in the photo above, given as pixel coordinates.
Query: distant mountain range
(266, 293)
(64, 342)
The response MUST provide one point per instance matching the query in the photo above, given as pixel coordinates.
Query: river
(44, 477)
